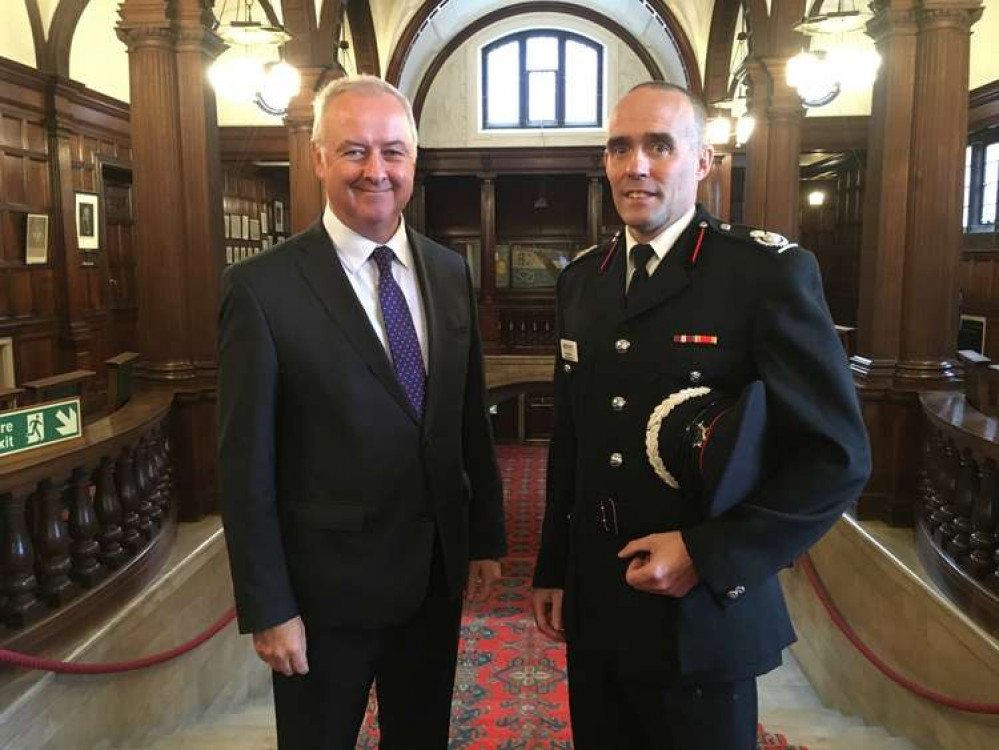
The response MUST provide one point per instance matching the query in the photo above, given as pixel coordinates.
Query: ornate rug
(510, 692)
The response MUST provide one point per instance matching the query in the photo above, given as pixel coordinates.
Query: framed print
(263, 222)
(246, 227)
(254, 230)
(36, 240)
(278, 216)
(228, 255)
(225, 225)
(87, 221)
(971, 333)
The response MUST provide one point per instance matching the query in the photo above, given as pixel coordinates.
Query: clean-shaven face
(654, 159)
(366, 162)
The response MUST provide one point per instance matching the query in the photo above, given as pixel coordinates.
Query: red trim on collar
(697, 247)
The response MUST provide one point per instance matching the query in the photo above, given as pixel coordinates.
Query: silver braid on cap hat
(655, 422)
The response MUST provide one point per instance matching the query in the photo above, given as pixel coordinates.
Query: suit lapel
(433, 293)
(670, 278)
(325, 276)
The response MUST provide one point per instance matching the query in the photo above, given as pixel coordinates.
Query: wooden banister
(65, 385)
(975, 379)
(8, 397)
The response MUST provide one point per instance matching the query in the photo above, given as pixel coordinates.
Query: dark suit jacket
(332, 491)
(765, 305)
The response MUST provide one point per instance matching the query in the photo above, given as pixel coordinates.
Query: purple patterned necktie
(407, 358)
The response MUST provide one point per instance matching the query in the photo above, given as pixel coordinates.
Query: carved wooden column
(879, 317)
(197, 47)
(774, 151)
(912, 237)
(594, 209)
(755, 191)
(715, 190)
(783, 152)
(488, 311)
(936, 179)
(307, 199)
(162, 272)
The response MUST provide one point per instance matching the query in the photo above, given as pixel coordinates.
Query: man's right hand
(547, 606)
(283, 647)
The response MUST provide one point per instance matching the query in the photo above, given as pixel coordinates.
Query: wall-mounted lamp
(816, 198)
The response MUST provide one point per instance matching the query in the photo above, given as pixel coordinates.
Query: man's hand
(283, 647)
(481, 576)
(660, 564)
(547, 607)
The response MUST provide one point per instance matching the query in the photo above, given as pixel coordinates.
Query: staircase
(788, 707)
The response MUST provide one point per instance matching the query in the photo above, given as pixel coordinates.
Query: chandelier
(248, 72)
(737, 124)
(820, 75)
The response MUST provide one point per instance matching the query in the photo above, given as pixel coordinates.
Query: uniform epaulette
(588, 252)
(775, 243)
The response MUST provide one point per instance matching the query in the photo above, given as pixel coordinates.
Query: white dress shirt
(354, 253)
(661, 244)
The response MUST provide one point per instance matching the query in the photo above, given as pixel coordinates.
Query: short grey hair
(358, 84)
(700, 111)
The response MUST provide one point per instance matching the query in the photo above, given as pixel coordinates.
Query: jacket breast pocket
(330, 516)
(696, 365)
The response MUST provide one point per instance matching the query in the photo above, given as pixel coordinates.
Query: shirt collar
(663, 241)
(354, 249)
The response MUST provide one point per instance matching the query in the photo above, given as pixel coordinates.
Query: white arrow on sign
(67, 421)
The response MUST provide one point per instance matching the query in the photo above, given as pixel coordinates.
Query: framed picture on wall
(225, 225)
(971, 333)
(254, 230)
(87, 221)
(246, 227)
(36, 239)
(263, 222)
(278, 216)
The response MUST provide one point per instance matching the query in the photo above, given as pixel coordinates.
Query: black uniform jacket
(762, 299)
(331, 488)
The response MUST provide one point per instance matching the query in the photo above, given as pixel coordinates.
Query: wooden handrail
(64, 384)
(8, 397)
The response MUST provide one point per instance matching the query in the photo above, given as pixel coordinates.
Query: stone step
(788, 706)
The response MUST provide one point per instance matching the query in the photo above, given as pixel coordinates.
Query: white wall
(984, 43)
(98, 58)
(450, 115)
(16, 42)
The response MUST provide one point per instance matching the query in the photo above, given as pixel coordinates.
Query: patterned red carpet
(510, 692)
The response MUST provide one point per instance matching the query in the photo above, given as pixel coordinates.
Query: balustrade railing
(75, 515)
(959, 500)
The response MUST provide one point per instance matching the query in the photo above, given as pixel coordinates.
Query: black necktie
(640, 255)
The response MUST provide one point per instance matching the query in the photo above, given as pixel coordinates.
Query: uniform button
(616, 459)
(622, 346)
(567, 367)
(618, 403)
(695, 376)
(736, 592)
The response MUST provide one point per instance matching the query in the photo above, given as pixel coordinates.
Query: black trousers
(614, 708)
(412, 666)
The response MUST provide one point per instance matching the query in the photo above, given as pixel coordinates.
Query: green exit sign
(37, 426)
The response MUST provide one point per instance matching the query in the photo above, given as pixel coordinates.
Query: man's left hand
(481, 576)
(660, 564)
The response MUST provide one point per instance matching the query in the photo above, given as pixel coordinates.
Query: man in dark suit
(670, 612)
(358, 473)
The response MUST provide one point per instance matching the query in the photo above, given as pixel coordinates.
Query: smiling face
(366, 162)
(654, 159)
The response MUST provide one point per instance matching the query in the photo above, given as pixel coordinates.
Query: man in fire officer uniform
(666, 592)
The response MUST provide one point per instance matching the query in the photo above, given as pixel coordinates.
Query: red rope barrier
(63, 667)
(837, 617)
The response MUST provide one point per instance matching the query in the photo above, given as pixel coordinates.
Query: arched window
(542, 79)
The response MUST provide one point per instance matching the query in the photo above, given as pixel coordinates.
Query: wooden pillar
(754, 192)
(773, 152)
(883, 245)
(158, 187)
(197, 48)
(783, 153)
(936, 178)
(178, 225)
(307, 199)
(594, 209)
(715, 190)
(489, 324)
(912, 237)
